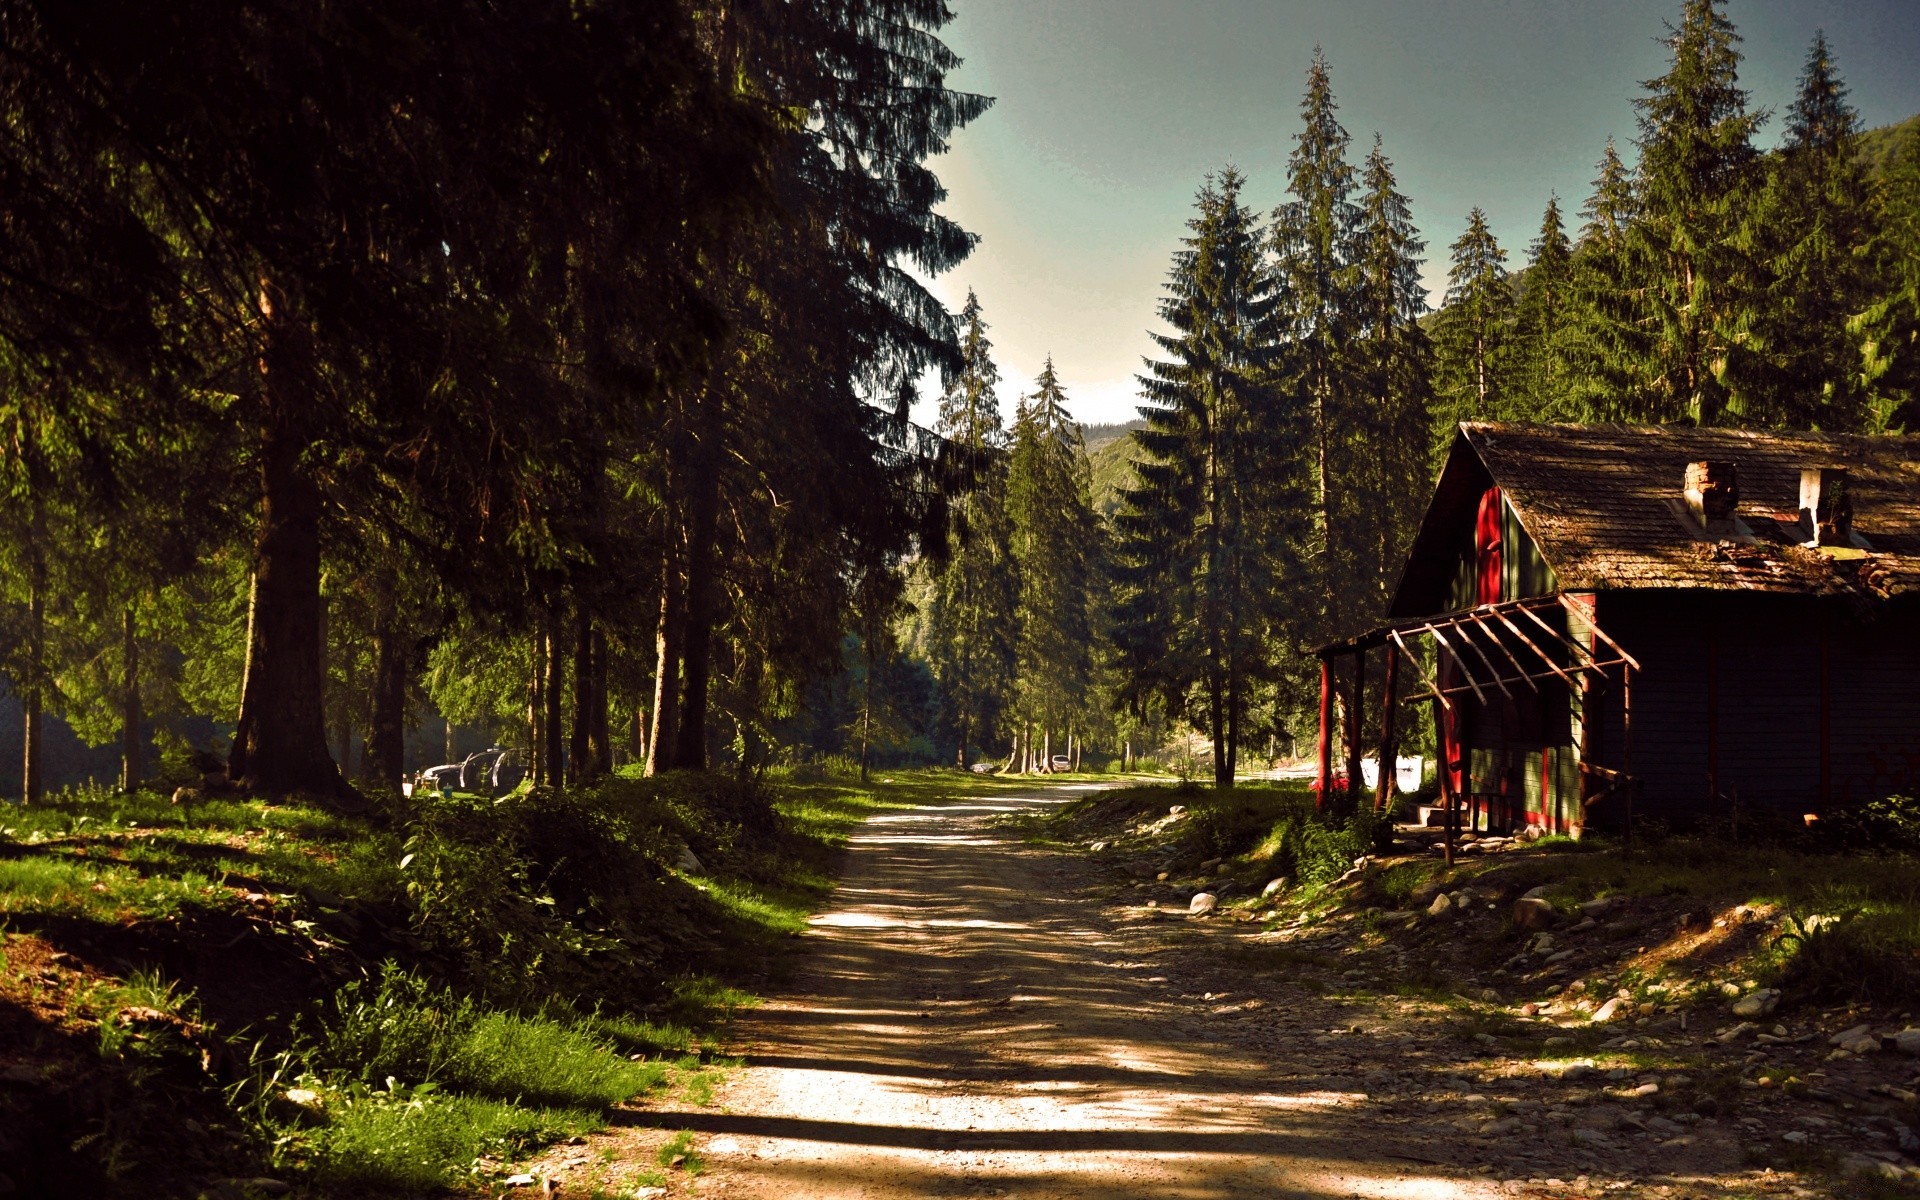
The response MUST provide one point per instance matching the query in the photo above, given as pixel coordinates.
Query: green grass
(545, 1063)
(409, 1143)
(545, 963)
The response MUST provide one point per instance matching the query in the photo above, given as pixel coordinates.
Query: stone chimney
(1713, 493)
(1826, 505)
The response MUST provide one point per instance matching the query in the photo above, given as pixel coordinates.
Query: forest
(379, 386)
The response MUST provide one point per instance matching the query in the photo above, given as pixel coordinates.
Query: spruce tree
(1602, 340)
(1392, 359)
(1054, 540)
(1890, 326)
(1539, 373)
(1472, 336)
(1811, 230)
(1205, 540)
(1698, 175)
(1313, 247)
(972, 613)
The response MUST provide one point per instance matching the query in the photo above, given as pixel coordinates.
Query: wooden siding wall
(1769, 667)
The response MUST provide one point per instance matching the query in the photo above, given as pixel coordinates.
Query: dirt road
(971, 1021)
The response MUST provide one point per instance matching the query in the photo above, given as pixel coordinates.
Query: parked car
(1062, 763)
(493, 771)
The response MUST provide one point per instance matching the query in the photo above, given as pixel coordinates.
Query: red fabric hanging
(1486, 548)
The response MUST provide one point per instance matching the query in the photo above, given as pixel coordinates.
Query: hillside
(1879, 148)
(1110, 451)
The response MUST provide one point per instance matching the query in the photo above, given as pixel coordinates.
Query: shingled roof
(1601, 503)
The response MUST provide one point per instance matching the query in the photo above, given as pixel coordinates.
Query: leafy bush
(398, 1026)
(1891, 824)
(1870, 956)
(1317, 848)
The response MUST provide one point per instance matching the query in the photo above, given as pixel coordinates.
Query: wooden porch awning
(1494, 648)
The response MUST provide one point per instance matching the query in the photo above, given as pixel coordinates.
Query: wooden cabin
(1606, 620)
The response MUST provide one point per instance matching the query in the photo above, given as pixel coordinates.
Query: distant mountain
(1099, 435)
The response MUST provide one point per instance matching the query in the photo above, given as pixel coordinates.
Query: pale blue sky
(1109, 112)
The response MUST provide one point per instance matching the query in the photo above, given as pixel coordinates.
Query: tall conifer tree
(1698, 173)
(1203, 555)
(1471, 340)
(1313, 244)
(1603, 341)
(1812, 229)
(1055, 538)
(1393, 361)
(972, 620)
(1539, 370)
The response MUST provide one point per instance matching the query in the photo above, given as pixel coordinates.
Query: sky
(1108, 114)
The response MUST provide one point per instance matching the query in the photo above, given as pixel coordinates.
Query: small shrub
(398, 1026)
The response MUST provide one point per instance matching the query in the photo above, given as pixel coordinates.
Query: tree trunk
(280, 740)
(600, 735)
(129, 706)
(555, 743)
(960, 756)
(866, 709)
(536, 766)
(386, 752)
(639, 733)
(580, 765)
(32, 788)
(702, 551)
(666, 672)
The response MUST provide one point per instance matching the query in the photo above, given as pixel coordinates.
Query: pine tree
(1698, 174)
(1313, 247)
(1472, 335)
(1889, 328)
(1393, 363)
(1205, 539)
(972, 613)
(1602, 340)
(1539, 372)
(1811, 229)
(1054, 540)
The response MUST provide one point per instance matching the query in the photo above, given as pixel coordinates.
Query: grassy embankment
(1842, 923)
(231, 996)
(1658, 964)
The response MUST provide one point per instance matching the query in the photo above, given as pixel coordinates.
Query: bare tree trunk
(129, 706)
(600, 734)
(386, 751)
(280, 741)
(866, 710)
(702, 550)
(536, 768)
(666, 675)
(580, 766)
(555, 742)
(32, 787)
(281, 736)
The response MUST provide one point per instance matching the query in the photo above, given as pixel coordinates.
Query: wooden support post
(1626, 746)
(1444, 773)
(1325, 777)
(1826, 711)
(1356, 778)
(1389, 749)
(1713, 706)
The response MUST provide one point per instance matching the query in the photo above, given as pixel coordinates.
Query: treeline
(1304, 391)
(1013, 626)
(544, 363)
